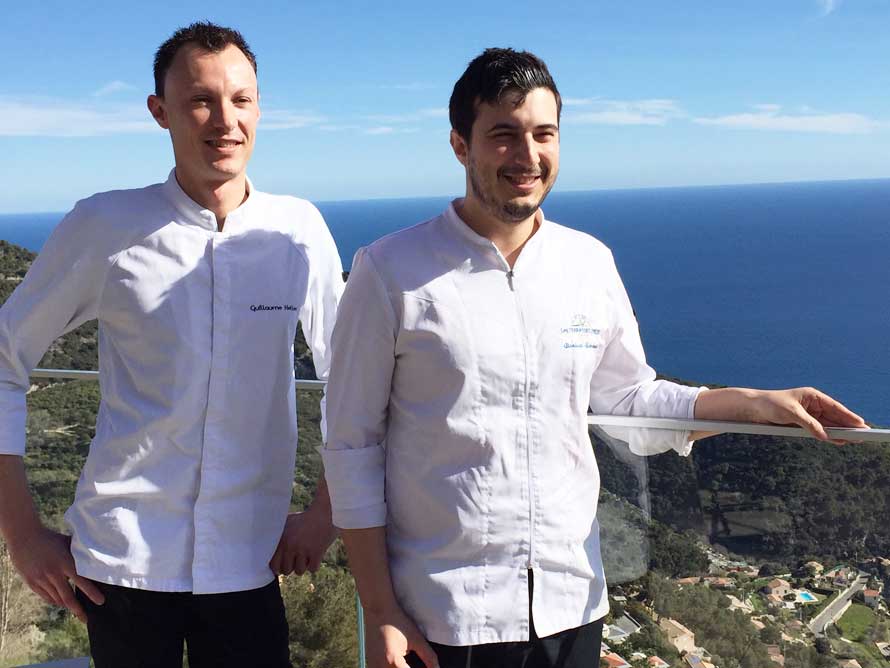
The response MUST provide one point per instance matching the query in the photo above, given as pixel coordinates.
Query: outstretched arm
(803, 406)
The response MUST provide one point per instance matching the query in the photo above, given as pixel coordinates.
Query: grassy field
(856, 622)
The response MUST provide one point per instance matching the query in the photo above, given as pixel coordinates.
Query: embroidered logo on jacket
(580, 333)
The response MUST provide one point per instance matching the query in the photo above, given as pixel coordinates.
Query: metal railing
(672, 424)
(74, 374)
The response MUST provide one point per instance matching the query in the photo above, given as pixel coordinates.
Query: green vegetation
(785, 500)
(632, 544)
(768, 497)
(727, 634)
(801, 656)
(322, 617)
(856, 622)
(14, 262)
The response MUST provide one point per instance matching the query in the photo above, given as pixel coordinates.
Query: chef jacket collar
(192, 212)
(456, 223)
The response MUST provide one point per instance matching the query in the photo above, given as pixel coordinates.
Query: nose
(224, 115)
(527, 151)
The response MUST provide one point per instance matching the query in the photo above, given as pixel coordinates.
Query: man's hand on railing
(803, 406)
(45, 563)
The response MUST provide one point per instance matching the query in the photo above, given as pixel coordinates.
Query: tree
(770, 569)
(321, 614)
(770, 635)
(66, 637)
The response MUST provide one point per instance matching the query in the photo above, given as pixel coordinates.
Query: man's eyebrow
(503, 126)
(199, 89)
(513, 126)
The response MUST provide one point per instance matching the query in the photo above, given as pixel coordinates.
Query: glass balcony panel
(755, 541)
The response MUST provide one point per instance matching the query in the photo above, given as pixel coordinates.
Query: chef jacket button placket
(213, 431)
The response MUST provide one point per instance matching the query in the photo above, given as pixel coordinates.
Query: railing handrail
(673, 424)
(677, 424)
(74, 374)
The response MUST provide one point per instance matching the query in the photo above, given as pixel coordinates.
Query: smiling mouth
(522, 181)
(222, 143)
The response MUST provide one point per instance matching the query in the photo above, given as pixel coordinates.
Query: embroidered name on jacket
(274, 307)
(579, 334)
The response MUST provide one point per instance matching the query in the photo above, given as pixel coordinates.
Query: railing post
(360, 624)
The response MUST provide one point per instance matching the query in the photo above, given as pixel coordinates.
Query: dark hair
(492, 74)
(204, 34)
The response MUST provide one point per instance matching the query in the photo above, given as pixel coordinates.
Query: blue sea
(760, 285)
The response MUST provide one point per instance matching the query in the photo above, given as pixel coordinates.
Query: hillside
(768, 497)
(773, 499)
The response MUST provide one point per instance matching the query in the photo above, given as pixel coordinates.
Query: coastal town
(814, 615)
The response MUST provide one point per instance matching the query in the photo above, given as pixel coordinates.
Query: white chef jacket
(456, 409)
(189, 477)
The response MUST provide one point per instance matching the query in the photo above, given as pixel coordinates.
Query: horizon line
(385, 198)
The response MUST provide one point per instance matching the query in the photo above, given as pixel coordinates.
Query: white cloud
(770, 117)
(60, 118)
(280, 119)
(577, 101)
(114, 87)
(599, 111)
(50, 117)
(389, 130)
(338, 127)
(412, 117)
(826, 7)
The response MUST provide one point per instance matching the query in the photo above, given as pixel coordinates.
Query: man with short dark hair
(180, 519)
(466, 354)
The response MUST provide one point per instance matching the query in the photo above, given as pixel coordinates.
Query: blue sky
(354, 94)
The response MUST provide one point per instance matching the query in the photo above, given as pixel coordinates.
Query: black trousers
(572, 648)
(136, 628)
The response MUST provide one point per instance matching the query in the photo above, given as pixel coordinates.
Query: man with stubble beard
(467, 352)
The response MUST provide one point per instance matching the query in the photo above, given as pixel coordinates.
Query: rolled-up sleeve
(624, 384)
(362, 362)
(61, 291)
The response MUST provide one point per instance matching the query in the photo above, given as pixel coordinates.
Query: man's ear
(158, 111)
(460, 147)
